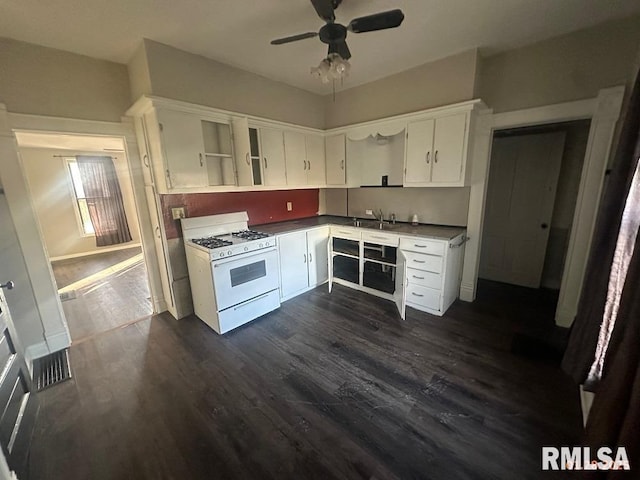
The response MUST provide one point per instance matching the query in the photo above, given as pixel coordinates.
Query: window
(82, 210)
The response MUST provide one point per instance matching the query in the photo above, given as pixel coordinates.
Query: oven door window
(248, 273)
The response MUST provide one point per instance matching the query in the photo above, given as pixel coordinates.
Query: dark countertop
(427, 231)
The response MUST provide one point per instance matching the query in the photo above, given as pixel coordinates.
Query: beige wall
(192, 78)
(565, 68)
(52, 193)
(442, 206)
(139, 76)
(45, 81)
(433, 84)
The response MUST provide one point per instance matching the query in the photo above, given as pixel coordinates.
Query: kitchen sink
(374, 225)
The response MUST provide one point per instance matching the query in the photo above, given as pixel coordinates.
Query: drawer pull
(417, 294)
(419, 261)
(419, 246)
(419, 278)
(378, 237)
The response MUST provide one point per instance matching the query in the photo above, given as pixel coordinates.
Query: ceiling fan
(335, 34)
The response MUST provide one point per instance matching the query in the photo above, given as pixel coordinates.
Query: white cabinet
(304, 154)
(436, 151)
(303, 261)
(296, 158)
(242, 150)
(315, 160)
(431, 273)
(273, 160)
(182, 149)
(335, 149)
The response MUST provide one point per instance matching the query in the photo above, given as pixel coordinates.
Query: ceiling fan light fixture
(333, 67)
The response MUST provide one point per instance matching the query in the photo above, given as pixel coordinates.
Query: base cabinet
(303, 261)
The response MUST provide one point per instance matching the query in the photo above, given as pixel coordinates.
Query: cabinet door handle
(304, 162)
(435, 157)
(417, 294)
(158, 231)
(305, 257)
(201, 164)
(428, 157)
(9, 285)
(309, 165)
(342, 164)
(145, 160)
(417, 277)
(247, 159)
(265, 162)
(310, 258)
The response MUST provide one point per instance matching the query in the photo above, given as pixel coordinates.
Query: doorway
(532, 192)
(101, 287)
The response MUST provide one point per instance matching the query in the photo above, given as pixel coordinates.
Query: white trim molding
(604, 112)
(95, 252)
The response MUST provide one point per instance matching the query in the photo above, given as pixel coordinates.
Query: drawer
(424, 279)
(420, 245)
(423, 296)
(427, 263)
(381, 238)
(345, 232)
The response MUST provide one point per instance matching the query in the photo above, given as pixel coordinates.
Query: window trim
(75, 199)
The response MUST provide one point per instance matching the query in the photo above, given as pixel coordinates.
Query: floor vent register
(51, 370)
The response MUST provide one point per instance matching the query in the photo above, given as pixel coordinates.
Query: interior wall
(45, 81)
(180, 75)
(565, 68)
(441, 206)
(52, 193)
(433, 84)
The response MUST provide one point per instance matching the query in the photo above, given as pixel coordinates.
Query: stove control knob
(229, 252)
(261, 245)
(246, 249)
(222, 254)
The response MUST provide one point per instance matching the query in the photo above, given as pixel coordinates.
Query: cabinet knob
(544, 226)
(9, 285)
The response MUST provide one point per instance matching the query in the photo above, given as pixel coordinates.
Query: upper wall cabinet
(315, 149)
(436, 151)
(336, 160)
(272, 152)
(305, 159)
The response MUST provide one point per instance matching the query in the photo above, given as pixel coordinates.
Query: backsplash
(438, 206)
(262, 207)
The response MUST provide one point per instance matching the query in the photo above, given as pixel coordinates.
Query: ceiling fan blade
(341, 49)
(324, 9)
(294, 38)
(377, 21)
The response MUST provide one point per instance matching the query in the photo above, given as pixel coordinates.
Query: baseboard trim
(55, 342)
(94, 252)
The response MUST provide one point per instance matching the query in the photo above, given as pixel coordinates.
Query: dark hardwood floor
(108, 301)
(328, 386)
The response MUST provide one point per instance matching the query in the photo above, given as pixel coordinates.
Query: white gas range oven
(233, 271)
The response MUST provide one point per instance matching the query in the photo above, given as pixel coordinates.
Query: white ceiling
(237, 32)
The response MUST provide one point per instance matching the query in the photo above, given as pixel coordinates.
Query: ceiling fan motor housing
(333, 32)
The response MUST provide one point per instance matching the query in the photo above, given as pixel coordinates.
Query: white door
(242, 150)
(183, 146)
(400, 294)
(296, 158)
(522, 185)
(294, 270)
(272, 150)
(317, 257)
(335, 148)
(315, 160)
(419, 152)
(448, 147)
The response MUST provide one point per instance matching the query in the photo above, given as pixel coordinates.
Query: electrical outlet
(368, 211)
(289, 206)
(177, 213)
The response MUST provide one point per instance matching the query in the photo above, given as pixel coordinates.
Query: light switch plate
(289, 206)
(368, 212)
(177, 213)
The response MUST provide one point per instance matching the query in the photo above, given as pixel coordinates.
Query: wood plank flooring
(108, 302)
(328, 386)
